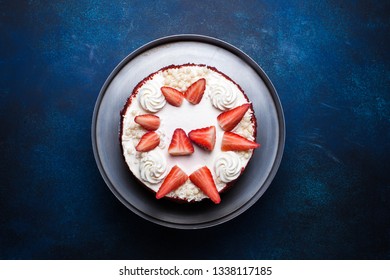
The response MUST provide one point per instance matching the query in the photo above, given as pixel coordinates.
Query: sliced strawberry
(229, 119)
(203, 179)
(173, 96)
(148, 142)
(235, 142)
(148, 121)
(204, 137)
(195, 91)
(180, 144)
(175, 178)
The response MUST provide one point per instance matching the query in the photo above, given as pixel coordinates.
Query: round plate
(181, 49)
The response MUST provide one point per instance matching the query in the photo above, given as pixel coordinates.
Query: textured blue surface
(330, 63)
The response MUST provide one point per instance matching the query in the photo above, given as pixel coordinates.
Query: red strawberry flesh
(195, 92)
(173, 96)
(203, 179)
(203, 137)
(229, 119)
(175, 178)
(148, 121)
(148, 142)
(234, 142)
(180, 144)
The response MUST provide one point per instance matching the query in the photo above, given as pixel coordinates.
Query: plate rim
(242, 55)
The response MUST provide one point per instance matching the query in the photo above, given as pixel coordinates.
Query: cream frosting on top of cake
(220, 95)
(227, 166)
(153, 167)
(150, 96)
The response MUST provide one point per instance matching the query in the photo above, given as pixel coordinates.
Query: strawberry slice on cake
(204, 137)
(203, 179)
(148, 121)
(229, 119)
(175, 178)
(195, 91)
(148, 142)
(180, 144)
(234, 142)
(173, 96)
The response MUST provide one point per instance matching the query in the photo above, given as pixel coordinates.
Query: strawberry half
(175, 178)
(229, 119)
(195, 91)
(180, 144)
(203, 137)
(148, 121)
(173, 96)
(203, 179)
(235, 142)
(148, 142)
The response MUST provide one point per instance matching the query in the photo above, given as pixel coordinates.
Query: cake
(188, 132)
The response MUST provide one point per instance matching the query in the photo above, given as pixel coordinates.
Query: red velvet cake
(188, 132)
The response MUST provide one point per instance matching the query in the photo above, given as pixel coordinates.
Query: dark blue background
(329, 62)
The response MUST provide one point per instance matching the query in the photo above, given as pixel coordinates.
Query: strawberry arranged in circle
(148, 121)
(203, 179)
(203, 137)
(173, 96)
(180, 144)
(195, 91)
(175, 178)
(234, 142)
(229, 119)
(148, 142)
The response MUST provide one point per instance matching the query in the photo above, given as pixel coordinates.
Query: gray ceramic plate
(181, 49)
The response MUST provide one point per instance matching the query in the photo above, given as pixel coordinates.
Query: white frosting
(153, 167)
(246, 128)
(222, 96)
(228, 166)
(150, 97)
(189, 192)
